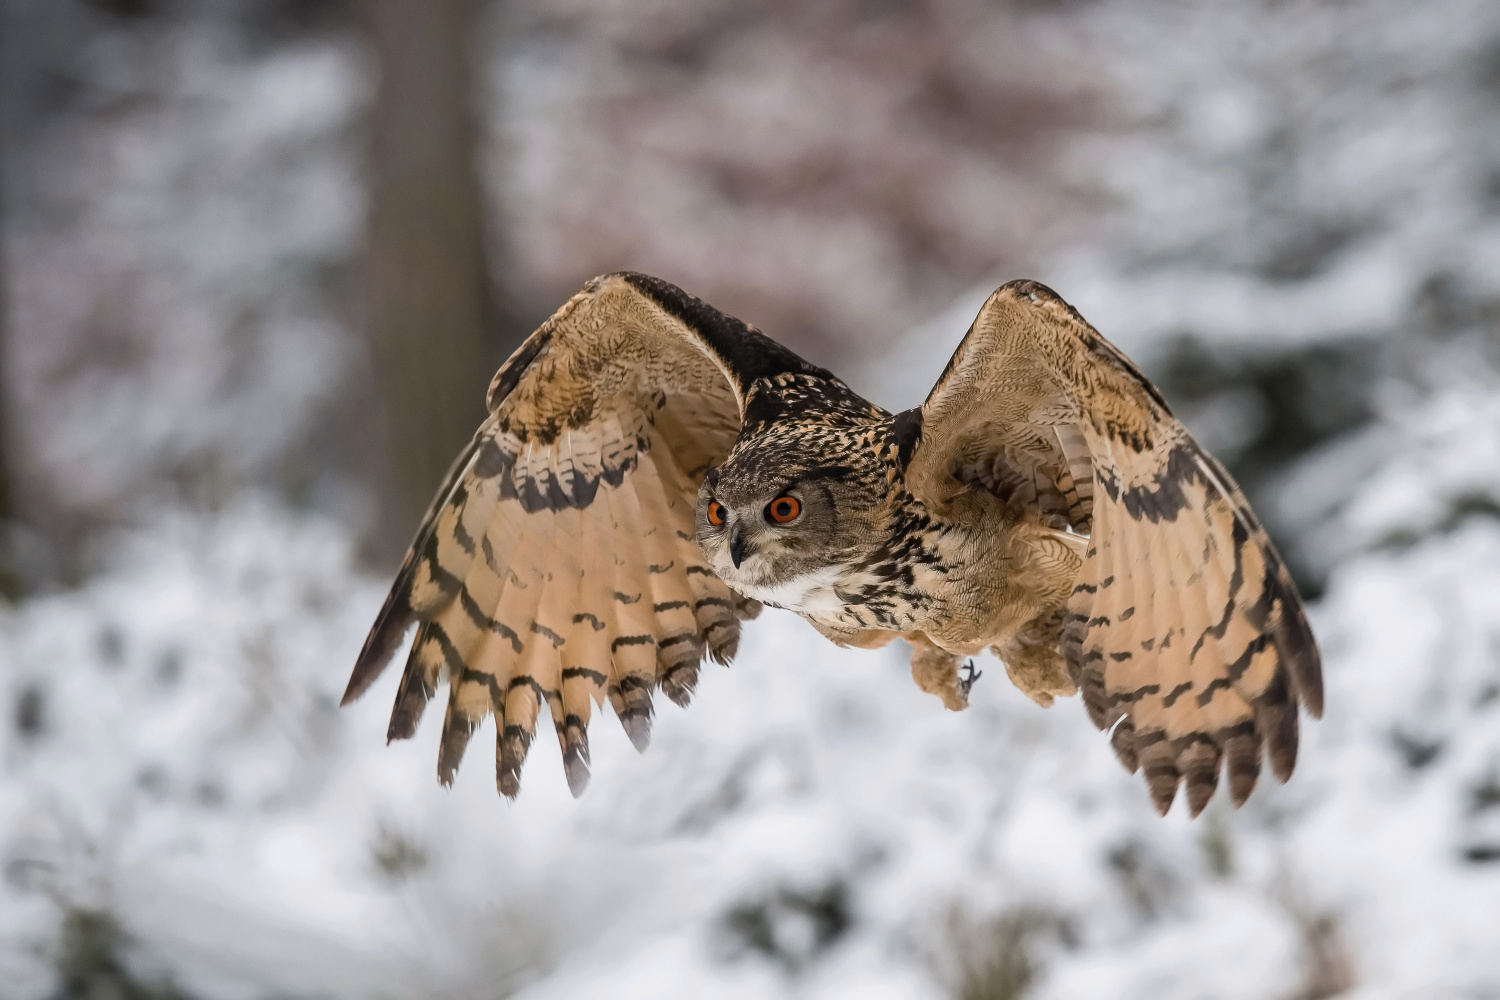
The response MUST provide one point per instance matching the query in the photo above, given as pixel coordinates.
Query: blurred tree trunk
(429, 307)
(10, 578)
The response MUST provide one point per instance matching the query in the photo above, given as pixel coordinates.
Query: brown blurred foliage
(834, 172)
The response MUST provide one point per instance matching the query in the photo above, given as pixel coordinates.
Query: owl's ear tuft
(906, 428)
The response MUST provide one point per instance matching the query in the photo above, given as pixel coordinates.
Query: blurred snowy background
(242, 237)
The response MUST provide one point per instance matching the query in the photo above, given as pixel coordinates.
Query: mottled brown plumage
(652, 471)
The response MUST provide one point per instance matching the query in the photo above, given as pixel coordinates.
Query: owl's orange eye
(783, 509)
(715, 513)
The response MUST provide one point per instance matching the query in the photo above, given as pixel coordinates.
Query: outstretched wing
(1184, 630)
(557, 564)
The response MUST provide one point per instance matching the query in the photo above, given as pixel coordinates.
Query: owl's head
(783, 512)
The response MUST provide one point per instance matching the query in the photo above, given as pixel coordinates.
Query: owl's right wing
(558, 563)
(1184, 631)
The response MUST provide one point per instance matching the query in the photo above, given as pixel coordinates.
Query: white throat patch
(810, 593)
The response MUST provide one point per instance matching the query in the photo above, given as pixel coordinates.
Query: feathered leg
(936, 671)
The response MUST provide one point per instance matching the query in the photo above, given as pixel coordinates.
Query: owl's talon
(968, 677)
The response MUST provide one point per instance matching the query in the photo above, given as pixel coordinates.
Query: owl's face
(776, 529)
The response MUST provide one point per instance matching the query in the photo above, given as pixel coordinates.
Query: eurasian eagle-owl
(652, 471)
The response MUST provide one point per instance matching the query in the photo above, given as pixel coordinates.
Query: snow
(175, 324)
(193, 774)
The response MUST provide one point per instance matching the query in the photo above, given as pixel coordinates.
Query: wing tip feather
(1199, 761)
(512, 744)
(1299, 652)
(1276, 723)
(1122, 740)
(396, 614)
(637, 723)
(1163, 781)
(576, 768)
(391, 625)
(457, 730)
(413, 694)
(679, 681)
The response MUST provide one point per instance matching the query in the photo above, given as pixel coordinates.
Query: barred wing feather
(1184, 633)
(557, 566)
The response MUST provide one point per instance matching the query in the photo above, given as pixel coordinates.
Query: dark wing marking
(1184, 630)
(558, 564)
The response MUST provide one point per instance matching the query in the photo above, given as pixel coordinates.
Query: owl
(653, 472)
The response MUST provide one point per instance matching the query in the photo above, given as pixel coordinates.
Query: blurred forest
(239, 180)
(261, 257)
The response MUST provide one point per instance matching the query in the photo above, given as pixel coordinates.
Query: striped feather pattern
(557, 566)
(1043, 502)
(1184, 631)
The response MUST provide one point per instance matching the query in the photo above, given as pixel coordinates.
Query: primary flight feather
(652, 471)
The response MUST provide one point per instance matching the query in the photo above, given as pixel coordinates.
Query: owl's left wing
(1184, 630)
(557, 565)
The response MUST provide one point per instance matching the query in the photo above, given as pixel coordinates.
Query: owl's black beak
(736, 546)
